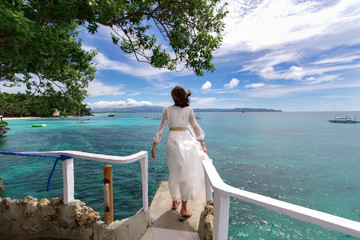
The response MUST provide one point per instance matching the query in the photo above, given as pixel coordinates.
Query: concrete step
(166, 234)
(162, 216)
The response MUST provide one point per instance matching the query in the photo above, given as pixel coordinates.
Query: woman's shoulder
(190, 109)
(178, 108)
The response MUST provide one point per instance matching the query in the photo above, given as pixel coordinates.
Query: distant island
(235, 110)
(156, 109)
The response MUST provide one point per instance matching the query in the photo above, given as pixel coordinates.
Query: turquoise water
(299, 158)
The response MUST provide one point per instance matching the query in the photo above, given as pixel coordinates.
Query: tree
(38, 38)
(22, 105)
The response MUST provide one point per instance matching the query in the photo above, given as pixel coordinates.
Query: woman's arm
(159, 132)
(194, 126)
(196, 130)
(153, 150)
(203, 146)
(162, 125)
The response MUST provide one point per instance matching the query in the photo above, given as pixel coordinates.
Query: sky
(299, 55)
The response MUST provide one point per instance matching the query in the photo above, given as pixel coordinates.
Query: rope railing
(68, 167)
(223, 192)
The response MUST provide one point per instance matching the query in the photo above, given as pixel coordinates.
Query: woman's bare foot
(184, 211)
(184, 214)
(175, 204)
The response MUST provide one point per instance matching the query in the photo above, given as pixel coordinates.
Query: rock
(26, 200)
(85, 215)
(48, 212)
(32, 228)
(5, 203)
(206, 225)
(55, 201)
(43, 202)
(56, 113)
(30, 210)
(1, 186)
(209, 226)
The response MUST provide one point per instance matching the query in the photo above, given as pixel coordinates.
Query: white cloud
(268, 67)
(22, 88)
(134, 93)
(119, 104)
(322, 79)
(255, 85)
(274, 91)
(258, 25)
(155, 76)
(333, 105)
(97, 88)
(347, 58)
(336, 96)
(202, 102)
(232, 84)
(305, 41)
(206, 86)
(134, 69)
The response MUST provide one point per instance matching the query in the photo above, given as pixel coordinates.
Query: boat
(39, 125)
(345, 119)
(83, 121)
(111, 115)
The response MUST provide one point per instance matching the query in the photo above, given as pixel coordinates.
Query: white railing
(68, 169)
(223, 192)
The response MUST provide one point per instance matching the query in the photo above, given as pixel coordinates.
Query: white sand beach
(19, 118)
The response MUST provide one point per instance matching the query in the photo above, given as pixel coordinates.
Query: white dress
(184, 153)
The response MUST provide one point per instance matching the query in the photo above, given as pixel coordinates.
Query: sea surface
(296, 157)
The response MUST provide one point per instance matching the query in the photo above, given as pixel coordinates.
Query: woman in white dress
(184, 151)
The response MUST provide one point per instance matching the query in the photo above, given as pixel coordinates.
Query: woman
(184, 153)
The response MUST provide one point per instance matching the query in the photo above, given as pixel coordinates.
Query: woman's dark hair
(180, 96)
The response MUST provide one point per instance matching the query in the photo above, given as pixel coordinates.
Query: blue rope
(61, 157)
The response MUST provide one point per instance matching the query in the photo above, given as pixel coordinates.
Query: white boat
(345, 119)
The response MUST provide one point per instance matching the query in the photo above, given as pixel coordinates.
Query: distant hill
(145, 109)
(154, 109)
(235, 110)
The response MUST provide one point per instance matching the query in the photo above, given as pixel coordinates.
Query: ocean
(296, 157)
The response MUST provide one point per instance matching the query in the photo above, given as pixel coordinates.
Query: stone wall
(28, 219)
(1, 186)
(206, 223)
(2, 129)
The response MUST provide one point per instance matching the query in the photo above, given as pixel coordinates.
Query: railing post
(221, 215)
(68, 180)
(144, 181)
(108, 195)
(208, 188)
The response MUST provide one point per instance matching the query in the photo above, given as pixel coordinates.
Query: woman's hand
(204, 149)
(153, 150)
(203, 146)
